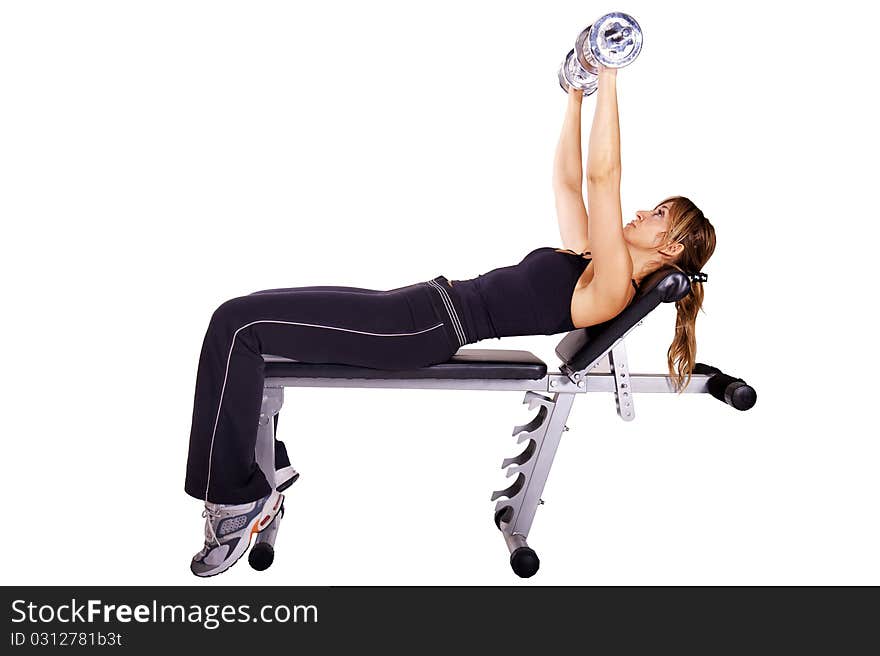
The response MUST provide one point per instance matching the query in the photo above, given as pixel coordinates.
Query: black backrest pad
(581, 347)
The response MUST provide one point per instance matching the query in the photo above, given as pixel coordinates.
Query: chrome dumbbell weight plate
(572, 74)
(584, 57)
(615, 40)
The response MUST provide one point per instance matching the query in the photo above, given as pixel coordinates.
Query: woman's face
(648, 230)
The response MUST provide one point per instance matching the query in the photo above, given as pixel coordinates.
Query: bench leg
(518, 503)
(264, 451)
(263, 552)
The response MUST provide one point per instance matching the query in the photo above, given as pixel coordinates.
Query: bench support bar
(517, 504)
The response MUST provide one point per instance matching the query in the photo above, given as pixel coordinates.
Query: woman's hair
(687, 225)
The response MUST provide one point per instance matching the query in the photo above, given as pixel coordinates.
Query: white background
(158, 158)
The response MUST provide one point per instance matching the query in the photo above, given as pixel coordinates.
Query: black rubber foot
(742, 397)
(524, 562)
(261, 556)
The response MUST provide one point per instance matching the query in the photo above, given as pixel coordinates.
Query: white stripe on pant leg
(455, 320)
(285, 323)
(454, 315)
(450, 309)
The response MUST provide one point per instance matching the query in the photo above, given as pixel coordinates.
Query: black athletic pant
(405, 328)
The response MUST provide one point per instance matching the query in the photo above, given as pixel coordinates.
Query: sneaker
(228, 531)
(285, 477)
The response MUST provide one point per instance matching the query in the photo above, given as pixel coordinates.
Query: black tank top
(529, 298)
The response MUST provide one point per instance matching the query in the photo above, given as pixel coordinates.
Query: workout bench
(550, 394)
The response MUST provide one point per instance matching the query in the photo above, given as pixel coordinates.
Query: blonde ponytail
(688, 226)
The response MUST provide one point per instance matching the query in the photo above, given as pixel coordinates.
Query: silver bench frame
(551, 396)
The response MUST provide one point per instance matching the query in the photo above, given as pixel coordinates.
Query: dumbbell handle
(617, 35)
(724, 387)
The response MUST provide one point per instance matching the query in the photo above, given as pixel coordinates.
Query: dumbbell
(614, 41)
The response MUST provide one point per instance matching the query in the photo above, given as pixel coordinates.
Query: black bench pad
(466, 364)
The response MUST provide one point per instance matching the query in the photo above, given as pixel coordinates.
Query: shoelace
(210, 515)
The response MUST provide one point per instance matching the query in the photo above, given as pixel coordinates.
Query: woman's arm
(568, 179)
(603, 159)
(611, 261)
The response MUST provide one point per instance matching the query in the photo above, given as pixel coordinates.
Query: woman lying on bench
(552, 290)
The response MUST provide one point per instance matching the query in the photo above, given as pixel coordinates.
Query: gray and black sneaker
(228, 532)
